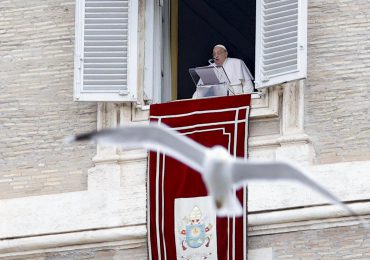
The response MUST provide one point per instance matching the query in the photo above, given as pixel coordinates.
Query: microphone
(220, 75)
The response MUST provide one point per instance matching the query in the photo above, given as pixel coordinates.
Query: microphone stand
(221, 76)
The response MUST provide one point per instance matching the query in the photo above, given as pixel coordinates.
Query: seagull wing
(246, 172)
(154, 138)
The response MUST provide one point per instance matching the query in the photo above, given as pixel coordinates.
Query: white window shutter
(281, 41)
(106, 50)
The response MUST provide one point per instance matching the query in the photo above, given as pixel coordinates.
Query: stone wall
(106, 253)
(36, 106)
(330, 244)
(337, 88)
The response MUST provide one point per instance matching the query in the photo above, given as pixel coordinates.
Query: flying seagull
(219, 170)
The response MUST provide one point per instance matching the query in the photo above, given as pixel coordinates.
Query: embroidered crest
(196, 232)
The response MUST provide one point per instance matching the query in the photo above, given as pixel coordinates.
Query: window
(269, 35)
(275, 31)
(106, 50)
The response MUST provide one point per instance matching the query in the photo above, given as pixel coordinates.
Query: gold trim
(174, 8)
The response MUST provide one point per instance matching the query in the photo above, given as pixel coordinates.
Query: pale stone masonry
(338, 243)
(109, 253)
(337, 100)
(36, 107)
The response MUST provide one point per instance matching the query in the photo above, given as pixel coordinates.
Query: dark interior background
(205, 23)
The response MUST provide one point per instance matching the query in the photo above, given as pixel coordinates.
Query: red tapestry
(181, 224)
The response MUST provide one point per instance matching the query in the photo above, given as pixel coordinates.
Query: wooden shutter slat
(280, 42)
(105, 43)
(281, 20)
(104, 16)
(284, 52)
(281, 71)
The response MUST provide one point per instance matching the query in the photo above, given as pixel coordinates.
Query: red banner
(181, 224)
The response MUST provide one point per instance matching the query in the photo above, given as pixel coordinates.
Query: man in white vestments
(236, 70)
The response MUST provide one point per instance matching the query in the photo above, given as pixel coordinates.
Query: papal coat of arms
(196, 234)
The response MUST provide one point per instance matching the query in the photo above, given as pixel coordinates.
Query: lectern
(210, 81)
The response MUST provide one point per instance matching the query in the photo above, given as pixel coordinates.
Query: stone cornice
(125, 237)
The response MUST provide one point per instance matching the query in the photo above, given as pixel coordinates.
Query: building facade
(64, 201)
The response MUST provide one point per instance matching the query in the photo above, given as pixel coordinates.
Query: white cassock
(239, 75)
(241, 79)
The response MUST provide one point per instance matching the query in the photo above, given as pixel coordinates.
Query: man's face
(219, 55)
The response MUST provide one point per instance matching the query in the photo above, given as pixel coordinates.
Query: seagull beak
(228, 207)
(218, 204)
